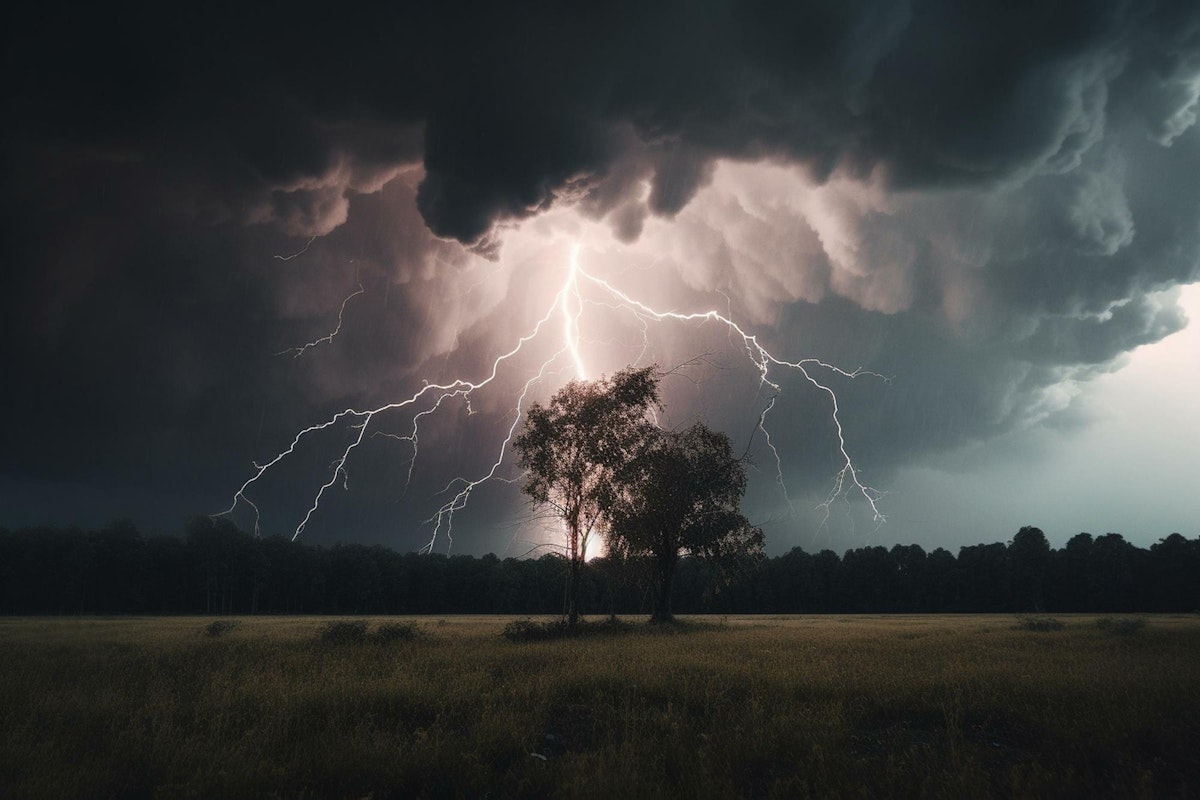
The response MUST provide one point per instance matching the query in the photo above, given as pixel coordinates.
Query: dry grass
(752, 707)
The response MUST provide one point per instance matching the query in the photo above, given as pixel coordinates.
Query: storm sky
(994, 206)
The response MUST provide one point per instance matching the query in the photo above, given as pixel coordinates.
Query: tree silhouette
(680, 494)
(1030, 554)
(1175, 562)
(1077, 576)
(573, 448)
(1114, 562)
(218, 569)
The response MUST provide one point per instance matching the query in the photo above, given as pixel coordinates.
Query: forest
(214, 568)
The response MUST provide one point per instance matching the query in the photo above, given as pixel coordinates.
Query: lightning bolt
(847, 478)
(299, 252)
(572, 307)
(568, 304)
(329, 337)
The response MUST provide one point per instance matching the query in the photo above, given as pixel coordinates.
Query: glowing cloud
(581, 298)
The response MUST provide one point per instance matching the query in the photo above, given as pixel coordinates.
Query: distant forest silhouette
(214, 568)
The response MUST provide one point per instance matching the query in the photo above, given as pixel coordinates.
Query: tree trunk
(572, 593)
(662, 597)
(574, 557)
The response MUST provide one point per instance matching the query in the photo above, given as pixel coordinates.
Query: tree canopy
(593, 457)
(217, 569)
(573, 449)
(680, 494)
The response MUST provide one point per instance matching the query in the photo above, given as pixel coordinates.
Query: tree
(1079, 590)
(869, 576)
(985, 578)
(912, 582)
(1030, 555)
(1114, 567)
(1175, 563)
(572, 450)
(680, 494)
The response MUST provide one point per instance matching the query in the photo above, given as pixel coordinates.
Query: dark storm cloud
(513, 108)
(1025, 174)
(990, 308)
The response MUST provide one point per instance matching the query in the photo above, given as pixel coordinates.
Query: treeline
(216, 569)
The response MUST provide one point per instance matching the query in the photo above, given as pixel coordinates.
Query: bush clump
(526, 630)
(1040, 624)
(344, 631)
(1121, 626)
(398, 632)
(220, 627)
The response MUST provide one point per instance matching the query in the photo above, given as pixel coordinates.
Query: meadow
(822, 706)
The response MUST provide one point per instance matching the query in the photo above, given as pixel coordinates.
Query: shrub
(344, 631)
(526, 630)
(1121, 626)
(220, 627)
(398, 632)
(1039, 624)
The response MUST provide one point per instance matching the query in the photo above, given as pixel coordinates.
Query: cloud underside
(985, 200)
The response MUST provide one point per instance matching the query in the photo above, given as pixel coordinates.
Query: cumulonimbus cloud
(1002, 190)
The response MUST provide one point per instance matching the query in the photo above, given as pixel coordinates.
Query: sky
(249, 257)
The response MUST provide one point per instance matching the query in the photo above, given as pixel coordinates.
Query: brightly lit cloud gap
(562, 332)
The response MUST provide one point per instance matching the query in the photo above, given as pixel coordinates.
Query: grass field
(741, 707)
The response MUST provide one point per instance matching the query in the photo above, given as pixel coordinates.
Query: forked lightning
(568, 305)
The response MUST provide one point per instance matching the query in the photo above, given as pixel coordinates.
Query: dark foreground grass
(749, 707)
